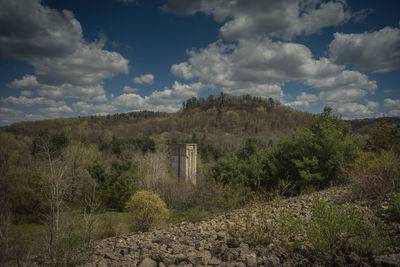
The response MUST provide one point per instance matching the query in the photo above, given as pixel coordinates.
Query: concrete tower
(184, 158)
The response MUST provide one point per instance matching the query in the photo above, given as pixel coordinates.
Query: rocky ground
(221, 241)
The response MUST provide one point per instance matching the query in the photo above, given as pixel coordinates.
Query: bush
(245, 168)
(394, 207)
(375, 174)
(147, 208)
(336, 231)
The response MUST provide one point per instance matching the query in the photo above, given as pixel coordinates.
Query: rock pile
(208, 243)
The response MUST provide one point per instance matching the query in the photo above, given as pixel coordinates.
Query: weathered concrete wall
(184, 162)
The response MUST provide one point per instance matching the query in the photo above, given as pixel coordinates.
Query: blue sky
(67, 58)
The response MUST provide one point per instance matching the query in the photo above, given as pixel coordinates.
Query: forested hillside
(218, 124)
(68, 182)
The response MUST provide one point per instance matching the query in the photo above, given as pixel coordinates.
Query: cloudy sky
(66, 58)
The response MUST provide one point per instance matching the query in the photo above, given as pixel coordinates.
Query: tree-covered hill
(219, 124)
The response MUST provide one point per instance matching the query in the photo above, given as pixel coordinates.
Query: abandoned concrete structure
(184, 159)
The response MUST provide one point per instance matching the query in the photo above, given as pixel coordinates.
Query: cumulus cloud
(130, 101)
(27, 81)
(343, 80)
(30, 30)
(261, 67)
(128, 89)
(68, 90)
(55, 111)
(144, 79)
(29, 102)
(284, 18)
(377, 51)
(304, 100)
(87, 108)
(88, 64)
(9, 115)
(393, 105)
(167, 100)
(356, 110)
(64, 63)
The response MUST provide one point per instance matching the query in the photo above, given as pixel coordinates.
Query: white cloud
(254, 60)
(342, 95)
(394, 113)
(27, 81)
(170, 99)
(284, 18)
(65, 65)
(99, 98)
(87, 65)
(167, 100)
(55, 111)
(356, 110)
(128, 89)
(144, 79)
(10, 115)
(343, 80)
(129, 101)
(393, 105)
(29, 102)
(86, 108)
(376, 51)
(304, 100)
(261, 67)
(71, 91)
(31, 30)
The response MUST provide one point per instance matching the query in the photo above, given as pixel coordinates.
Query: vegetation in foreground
(67, 182)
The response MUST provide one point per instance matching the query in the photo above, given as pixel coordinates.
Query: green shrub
(336, 231)
(394, 207)
(375, 174)
(147, 209)
(245, 168)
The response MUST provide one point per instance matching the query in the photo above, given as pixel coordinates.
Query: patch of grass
(279, 226)
(335, 231)
(375, 174)
(331, 231)
(113, 223)
(394, 206)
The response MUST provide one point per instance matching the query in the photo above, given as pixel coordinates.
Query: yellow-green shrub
(147, 208)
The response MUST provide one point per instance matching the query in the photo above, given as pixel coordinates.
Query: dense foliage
(117, 185)
(312, 157)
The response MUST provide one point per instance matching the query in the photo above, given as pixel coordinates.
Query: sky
(69, 58)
